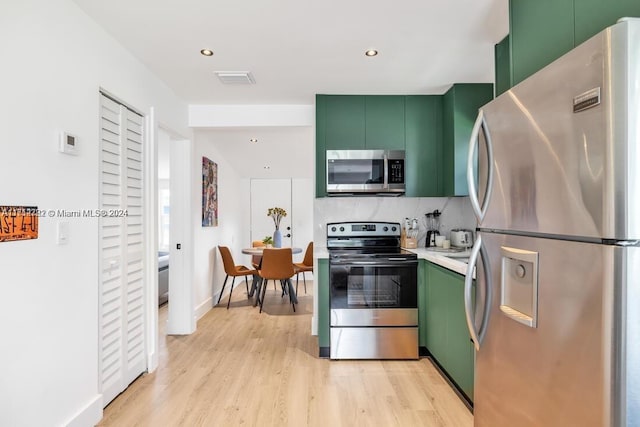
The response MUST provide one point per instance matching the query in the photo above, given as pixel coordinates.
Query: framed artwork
(209, 193)
(18, 223)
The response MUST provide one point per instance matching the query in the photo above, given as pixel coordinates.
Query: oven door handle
(375, 263)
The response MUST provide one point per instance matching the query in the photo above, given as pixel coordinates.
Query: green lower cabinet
(446, 334)
(322, 277)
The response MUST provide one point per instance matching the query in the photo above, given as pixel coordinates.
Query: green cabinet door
(540, 32)
(459, 344)
(592, 16)
(344, 122)
(502, 58)
(322, 273)
(423, 136)
(436, 316)
(460, 109)
(384, 122)
(447, 336)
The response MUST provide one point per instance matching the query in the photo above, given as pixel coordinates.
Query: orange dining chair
(277, 264)
(255, 259)
(234, 271)
(305, 265)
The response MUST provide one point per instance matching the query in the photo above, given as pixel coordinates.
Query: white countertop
(430, 255)
(442, 260)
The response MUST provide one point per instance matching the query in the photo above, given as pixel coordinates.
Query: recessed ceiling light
(253, 140)
(267, 167)
(206, 52)
(371, 52)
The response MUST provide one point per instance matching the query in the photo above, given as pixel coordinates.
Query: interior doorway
(295, 195)
(175, 231)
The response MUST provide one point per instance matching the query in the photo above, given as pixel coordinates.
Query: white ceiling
(298, 48)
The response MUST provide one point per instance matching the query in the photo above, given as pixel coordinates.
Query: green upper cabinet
(540, 31)
(384, 122)
(502, 58)
(423, 136)
(344, 122)
(592, 16)
(460, 109)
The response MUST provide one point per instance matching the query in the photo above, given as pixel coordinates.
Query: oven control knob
(333, 229)
(341, 228)
(386, 228)
(393, 229)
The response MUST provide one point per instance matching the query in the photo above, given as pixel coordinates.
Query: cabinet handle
(480, 124)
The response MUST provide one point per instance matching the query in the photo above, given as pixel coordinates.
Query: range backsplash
(456, 212)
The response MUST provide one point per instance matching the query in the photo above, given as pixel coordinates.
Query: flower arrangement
(277, 214)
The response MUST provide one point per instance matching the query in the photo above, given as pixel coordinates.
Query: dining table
(257, 251)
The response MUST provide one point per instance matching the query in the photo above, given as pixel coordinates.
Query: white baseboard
(90, 415)
(204, 308)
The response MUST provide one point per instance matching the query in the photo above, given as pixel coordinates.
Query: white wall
(54, 60)
(208, 269)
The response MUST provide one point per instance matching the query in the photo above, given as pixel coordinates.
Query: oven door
(373, 293)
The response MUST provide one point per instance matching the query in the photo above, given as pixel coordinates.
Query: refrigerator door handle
(480, 124)
(477, 335)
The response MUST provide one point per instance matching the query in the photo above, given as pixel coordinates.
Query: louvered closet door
(121, 249)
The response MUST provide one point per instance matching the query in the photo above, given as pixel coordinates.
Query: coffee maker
(433, 227)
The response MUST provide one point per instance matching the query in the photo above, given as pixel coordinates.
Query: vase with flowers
(277, 214)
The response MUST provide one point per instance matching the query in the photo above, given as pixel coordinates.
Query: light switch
(63, 233)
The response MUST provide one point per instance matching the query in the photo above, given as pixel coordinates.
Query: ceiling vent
(236, 77)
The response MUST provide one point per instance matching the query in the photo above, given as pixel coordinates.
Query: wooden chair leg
(222, 291)
(247, 285)
(298, 274)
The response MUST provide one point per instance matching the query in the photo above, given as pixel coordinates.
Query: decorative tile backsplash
(456, 212)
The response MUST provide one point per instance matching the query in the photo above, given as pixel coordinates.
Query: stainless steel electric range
(373, 294)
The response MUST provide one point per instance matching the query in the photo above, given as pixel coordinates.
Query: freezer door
(555, 371)
(566, 144)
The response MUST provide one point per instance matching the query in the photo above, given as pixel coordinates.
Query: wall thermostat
(68, 143)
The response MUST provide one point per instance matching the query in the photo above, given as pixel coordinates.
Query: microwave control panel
(396, 171)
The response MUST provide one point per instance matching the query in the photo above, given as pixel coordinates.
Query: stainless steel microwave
(365, 172)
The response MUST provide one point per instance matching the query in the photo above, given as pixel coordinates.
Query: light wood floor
(245, 368)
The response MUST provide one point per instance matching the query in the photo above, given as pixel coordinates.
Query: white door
(122, 310)
(265, 194)
(302, 194)
(296, 197)
(180, 319)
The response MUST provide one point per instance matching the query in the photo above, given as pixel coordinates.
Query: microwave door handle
(386, 171)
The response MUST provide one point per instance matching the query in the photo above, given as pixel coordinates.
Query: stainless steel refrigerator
(556, 322)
